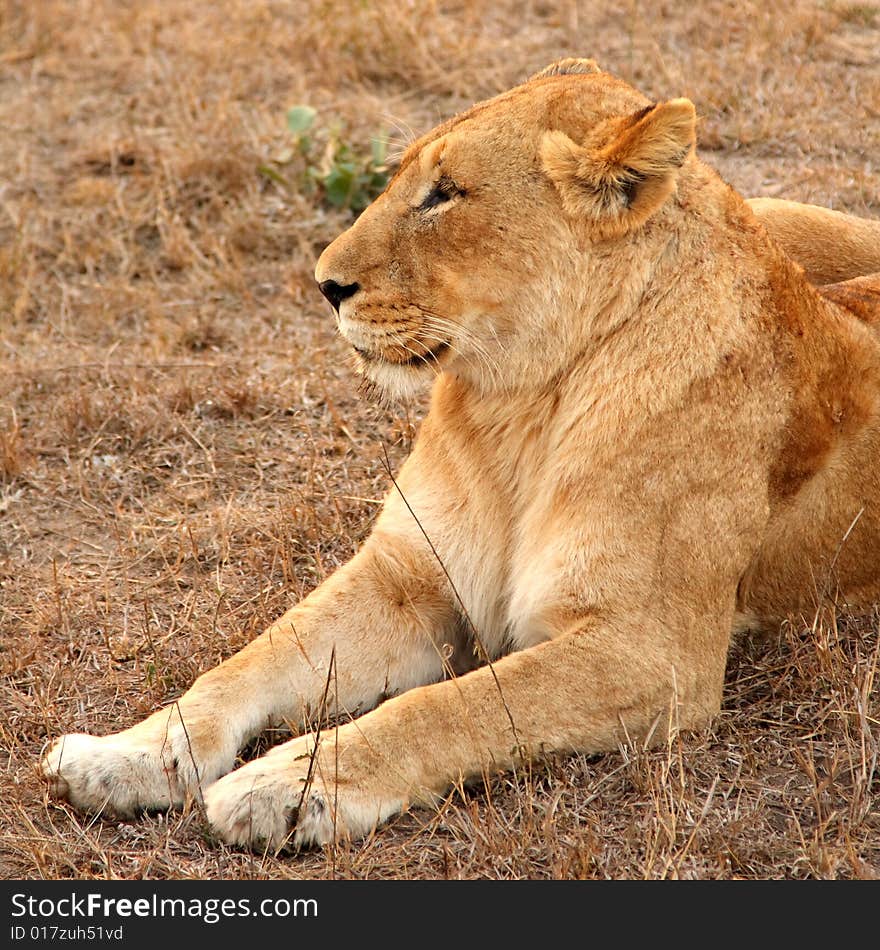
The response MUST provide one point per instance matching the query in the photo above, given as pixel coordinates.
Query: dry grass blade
(482, 652)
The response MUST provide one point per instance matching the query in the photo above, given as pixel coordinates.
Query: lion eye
(445, 190)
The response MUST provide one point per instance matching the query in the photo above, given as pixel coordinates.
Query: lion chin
(647, 430)
(392, 385)
(389, 385)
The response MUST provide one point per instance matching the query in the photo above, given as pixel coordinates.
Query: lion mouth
(430, 356)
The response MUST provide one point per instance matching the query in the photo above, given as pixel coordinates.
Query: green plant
(321, 162)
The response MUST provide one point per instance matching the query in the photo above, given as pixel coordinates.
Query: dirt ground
(183, 453)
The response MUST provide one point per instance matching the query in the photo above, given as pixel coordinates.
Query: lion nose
(336, 293)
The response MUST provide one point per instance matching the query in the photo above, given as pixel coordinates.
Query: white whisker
(467, 338)
(425, 358)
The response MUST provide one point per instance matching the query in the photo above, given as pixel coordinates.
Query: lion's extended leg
(829, 245)
(385, 620)
(587, 690)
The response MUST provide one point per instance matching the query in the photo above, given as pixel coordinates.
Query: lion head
(510, 233)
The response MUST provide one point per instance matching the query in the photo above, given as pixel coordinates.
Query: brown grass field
(183, 453)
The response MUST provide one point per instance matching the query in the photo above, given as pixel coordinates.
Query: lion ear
(567, 67)
(627, 168)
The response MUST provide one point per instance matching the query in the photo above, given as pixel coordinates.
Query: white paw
(274, 801)
(155, 765)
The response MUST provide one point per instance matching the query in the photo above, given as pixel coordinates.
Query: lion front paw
(154, 766)
(283, 798)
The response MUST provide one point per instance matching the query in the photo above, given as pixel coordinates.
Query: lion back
(860, 296)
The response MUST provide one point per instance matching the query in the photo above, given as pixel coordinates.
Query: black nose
(336, 293)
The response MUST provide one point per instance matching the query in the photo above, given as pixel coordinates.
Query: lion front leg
(310, 790)
(380, 625)
(159, 763)
(585, 691)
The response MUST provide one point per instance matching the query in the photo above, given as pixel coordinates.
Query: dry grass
(182, 454)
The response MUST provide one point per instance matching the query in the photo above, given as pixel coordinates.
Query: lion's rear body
(824, 540)
(861, 296)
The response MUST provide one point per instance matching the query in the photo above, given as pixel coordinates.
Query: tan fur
(829, 245)
(647, 429)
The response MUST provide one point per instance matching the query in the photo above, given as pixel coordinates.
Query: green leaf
(269, 172)
(300, 119)
(342, 154)
(378, 181)
(379, 151)
(338, 186)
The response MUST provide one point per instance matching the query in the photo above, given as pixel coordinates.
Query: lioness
(647, 430)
